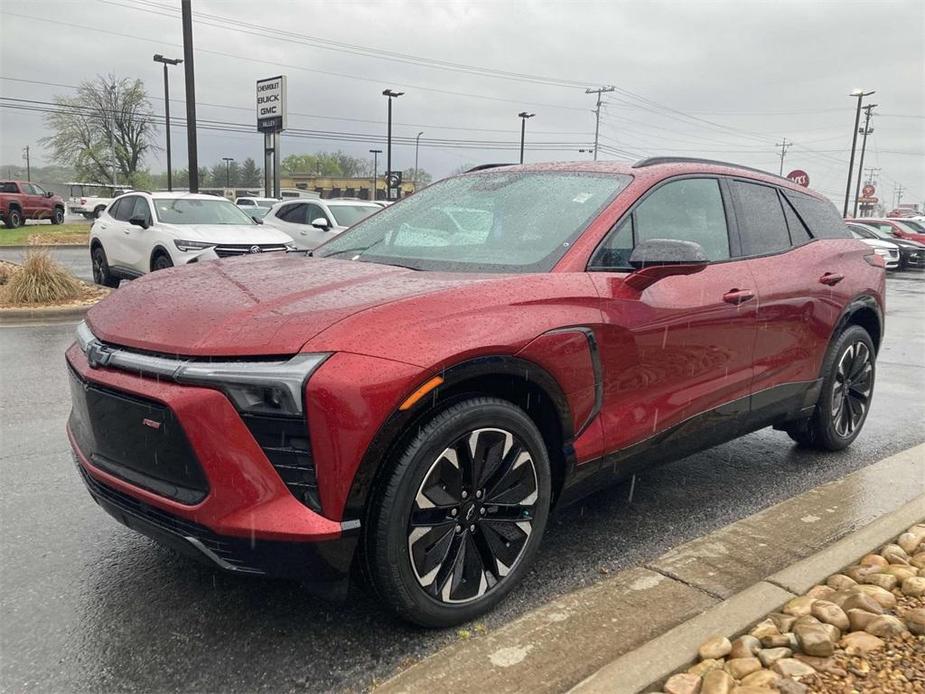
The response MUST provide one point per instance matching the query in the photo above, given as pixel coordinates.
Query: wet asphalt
(88, 605)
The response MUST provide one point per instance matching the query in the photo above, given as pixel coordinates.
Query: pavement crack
(675, 577)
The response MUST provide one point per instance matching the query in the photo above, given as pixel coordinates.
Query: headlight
(882, 251)
(191, 245)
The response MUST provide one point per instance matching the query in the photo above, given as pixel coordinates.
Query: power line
(783, 144)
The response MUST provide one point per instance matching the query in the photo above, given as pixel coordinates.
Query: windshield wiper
(358, 250)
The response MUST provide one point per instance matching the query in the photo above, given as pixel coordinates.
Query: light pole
(227, 161)
(523, 115)
(860, 94)
(375, 153)
(191, 146)
(388, 157)
(866, 131)
(167, 61)
(417, 144)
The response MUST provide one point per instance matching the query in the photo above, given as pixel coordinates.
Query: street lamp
(388, 157)
(417, 143)
(167, 61)
(375, 153)
(866, 130)
(523, 115)
(227, 161)
(860, 94)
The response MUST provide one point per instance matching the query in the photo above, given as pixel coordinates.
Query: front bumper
(248, 522)
(913, 256)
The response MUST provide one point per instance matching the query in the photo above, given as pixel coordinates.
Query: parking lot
(88, 605)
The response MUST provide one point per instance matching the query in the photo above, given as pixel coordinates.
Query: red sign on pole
(800, 177)
(868, 191)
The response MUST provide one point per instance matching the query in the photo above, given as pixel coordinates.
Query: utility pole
(898, 194)
(872, 173)
(866, 131)
(227, 161)
(375, 153)
(193, 153)
(167, 61)
(860, 94)
(25, 156)
(784, 146)
(388, 163)
(417, 144)
(597, 112)
(523, 115)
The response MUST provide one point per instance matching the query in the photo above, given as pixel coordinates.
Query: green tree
(218, 174)
(250, 174)
(421, 179)
(104, 130)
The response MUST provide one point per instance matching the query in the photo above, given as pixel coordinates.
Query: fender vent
(284, 441)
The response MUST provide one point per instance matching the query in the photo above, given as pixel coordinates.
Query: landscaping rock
(915, 620)
(909, 542)
(741, 667)
(705, 666)
(814, 640)
(885, 626)
(894, 554)
(886, 599)
(799, 607)
(764, 628)
(873, 560)
(840, 582)
(745, 647)
(717, 682)
(918, 560)
(789, 686)
(762, 678)
(820, 664)
(769, 656)
(819, 592)
(858, 642)
(885, 581)
(777, 641)
(715, 647)
(753, 690)
(862, 601)
(783, 621)
(791, 667)
(858, 572)
(830, 613)
(901, 572)
(914, 587)
(859, 619)
(685, 683)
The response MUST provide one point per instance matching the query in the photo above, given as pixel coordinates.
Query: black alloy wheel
(101, 272)
(57, 217)
(854, 383)
(162, 261)
(13, 219)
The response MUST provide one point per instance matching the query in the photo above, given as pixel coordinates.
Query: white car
(256, 202)
(309, 223)
(143, 232)
(90, 199)
(886, 249)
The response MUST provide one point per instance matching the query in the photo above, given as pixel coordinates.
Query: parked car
(888, 250)
(907, 229)
(412, 402)
(90, 199)
(309, 223)
(256, 202)
(143, 232)
(911, 253)
(22, 200)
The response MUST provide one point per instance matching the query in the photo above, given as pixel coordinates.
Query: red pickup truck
(21, 200)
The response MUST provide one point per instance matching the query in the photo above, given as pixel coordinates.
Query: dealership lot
(89, 605)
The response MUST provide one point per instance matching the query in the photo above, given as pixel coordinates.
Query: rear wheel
(847, 391)
(13, 218)
(161, 261)
(455, 526)
(101, 272)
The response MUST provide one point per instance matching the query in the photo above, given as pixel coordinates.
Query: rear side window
(820, 216)
(799, 234)
(120, 206)
(760, 218)
(8, 188)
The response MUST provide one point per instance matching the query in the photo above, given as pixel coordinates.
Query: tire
(57, 217)
(13, 218)
(161, 261)
(847, 390)
(98, 211)
(447, 555)
(101, 272)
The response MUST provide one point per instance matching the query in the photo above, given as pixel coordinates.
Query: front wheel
(101, 273)
(847, 391)
(57, 217)
(456, 524)
(161, 261)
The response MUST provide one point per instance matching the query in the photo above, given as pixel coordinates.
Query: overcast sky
(725, 80)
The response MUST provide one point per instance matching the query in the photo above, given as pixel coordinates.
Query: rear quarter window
(820, 216)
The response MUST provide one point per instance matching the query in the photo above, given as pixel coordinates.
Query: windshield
(487, 222)
(909, 225)
(348, 215)
(195, 211)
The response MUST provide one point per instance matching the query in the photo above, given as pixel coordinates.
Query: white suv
(309, 223)
(142, 232)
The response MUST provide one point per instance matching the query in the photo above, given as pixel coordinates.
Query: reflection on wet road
(86, 604)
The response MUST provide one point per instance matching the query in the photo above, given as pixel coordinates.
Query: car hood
(878, 243)
(227, 233)
(257, 305)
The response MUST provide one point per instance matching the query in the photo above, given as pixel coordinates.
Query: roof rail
(652, 161)
(482, 167)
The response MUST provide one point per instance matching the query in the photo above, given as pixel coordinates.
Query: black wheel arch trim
(858, 303)
(156, 251)
(390, 433)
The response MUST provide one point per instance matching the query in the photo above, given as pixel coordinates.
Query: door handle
(738, 296)
(831, 278)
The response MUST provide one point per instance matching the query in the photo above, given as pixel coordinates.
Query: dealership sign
(800, 177)
(271, 104)
(868, 191)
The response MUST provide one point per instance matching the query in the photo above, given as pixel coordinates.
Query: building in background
(336, 187)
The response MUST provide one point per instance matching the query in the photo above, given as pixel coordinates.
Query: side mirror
(49, 194)
(659, 258)
(140, 221)
(321, 223)
(257, 220)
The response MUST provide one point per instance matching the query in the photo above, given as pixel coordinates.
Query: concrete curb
(18, 316)
(49, 246)
(648, 666)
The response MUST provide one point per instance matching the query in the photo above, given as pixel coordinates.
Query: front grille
(285, 442)
(231, 551)
(228, 250)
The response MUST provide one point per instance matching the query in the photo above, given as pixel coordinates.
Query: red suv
(412, 399)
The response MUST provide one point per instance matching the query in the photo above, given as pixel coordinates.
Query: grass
(40, 280)
(34, 234)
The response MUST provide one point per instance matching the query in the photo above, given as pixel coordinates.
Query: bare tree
(104, 130)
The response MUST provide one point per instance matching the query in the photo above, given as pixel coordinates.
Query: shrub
(41, 280)
(5, 271)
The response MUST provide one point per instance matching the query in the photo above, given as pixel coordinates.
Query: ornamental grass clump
(40, 280)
